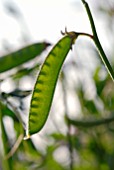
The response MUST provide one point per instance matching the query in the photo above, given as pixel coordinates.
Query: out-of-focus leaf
(90, 106)
(30, 149)
(17, 93)
(91, 122)
(25, 72)
(21, 56)
(6, 164)
(49, 161)
(100, 84)
(87, 106)
(108, 95)
(58, 136)
(98, 149)
(12, 9)
(6, 111)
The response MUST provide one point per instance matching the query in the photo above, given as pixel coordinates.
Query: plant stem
(68, 123)
(91, 123)
(6, 164)
(97, 42)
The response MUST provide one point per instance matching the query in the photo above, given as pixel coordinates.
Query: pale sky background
(44, 19)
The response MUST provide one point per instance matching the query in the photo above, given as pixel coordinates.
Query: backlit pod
(46, 82)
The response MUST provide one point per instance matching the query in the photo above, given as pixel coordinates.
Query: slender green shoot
(97, 42)
(91, 123)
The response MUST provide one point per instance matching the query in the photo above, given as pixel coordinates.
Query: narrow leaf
(28, 71)
(6, 111)
(17, 93)
(21, 56)
(46, 82)
(6, 164)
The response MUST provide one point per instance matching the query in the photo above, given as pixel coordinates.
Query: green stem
(91, 123)
(68, 123)
(97, 42)
(6, 164)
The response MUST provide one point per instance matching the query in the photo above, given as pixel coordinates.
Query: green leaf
(17, 93)
(46, 82)
(6, 111)
(6, 164)
(91, 107)
(21, 56)
(25, 72)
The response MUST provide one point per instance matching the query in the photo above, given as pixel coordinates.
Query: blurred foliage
(80, 148)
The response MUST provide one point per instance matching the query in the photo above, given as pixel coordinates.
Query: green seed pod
(46, 82)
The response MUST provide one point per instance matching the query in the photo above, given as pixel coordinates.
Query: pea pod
(46, 82)
(21, 56)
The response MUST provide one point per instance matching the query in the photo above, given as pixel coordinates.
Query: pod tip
(27, 136)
